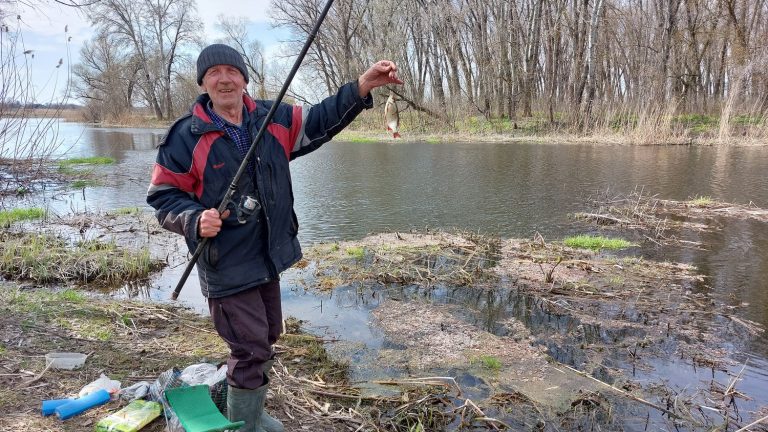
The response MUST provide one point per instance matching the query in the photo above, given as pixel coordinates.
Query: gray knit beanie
(219, 54)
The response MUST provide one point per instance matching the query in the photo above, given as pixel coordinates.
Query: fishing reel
(247, 208)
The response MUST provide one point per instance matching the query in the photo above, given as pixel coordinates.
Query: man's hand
(209, 223)
(382, 72)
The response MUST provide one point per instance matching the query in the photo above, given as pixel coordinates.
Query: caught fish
(392, 116)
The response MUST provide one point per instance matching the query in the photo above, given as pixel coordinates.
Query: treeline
(573, 63)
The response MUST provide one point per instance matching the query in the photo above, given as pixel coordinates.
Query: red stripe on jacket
(192, 180)
(287, 137)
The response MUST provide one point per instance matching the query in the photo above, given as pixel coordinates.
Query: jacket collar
(201, 121)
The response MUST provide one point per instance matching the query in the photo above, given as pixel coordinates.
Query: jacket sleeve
(313, 127)
(172, 191)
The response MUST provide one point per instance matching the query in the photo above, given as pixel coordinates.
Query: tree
(237, 35)
(106, 78)
(155, 31)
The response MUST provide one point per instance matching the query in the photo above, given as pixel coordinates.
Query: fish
(392, 116)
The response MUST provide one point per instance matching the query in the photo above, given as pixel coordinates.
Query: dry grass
(48, 259)
(658, 220)
(405, 258)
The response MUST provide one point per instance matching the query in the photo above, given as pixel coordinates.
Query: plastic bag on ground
(166, 380)
(103, 382)
(136, 391)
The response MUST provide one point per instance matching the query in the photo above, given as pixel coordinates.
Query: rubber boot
(246, 405)
(266, 421)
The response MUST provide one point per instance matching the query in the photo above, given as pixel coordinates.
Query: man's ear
(202, 89)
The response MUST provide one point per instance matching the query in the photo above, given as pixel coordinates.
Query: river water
(347, 190)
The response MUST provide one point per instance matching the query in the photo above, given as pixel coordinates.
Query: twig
(37, 377)
(753, 424)
(345, 396)
(623, 393)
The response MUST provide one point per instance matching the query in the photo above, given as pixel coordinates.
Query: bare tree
(155, 30)
(28, 129)
(237, 35)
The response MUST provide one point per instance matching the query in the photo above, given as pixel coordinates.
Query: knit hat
(219, 54)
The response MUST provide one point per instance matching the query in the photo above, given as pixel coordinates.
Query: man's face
(225, 85)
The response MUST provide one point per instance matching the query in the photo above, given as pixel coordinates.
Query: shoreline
(577, 287)
(357, 133)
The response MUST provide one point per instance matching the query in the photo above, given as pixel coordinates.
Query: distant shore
(368, 128)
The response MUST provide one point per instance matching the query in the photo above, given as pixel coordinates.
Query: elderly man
(254, 240)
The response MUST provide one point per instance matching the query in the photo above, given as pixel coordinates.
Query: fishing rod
(244, 165)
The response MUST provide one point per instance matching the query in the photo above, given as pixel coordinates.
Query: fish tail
(396, 135)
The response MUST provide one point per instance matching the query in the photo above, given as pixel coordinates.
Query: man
(254, 240)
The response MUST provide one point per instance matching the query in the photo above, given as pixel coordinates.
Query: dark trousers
(249, 322)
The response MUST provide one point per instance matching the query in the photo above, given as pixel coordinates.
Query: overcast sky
(43, 32)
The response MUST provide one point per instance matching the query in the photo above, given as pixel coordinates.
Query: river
(347, 190)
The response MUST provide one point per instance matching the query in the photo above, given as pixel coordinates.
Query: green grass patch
(50, 259)
(72, 296)
(7, 217)
(360, 139)
(701, 201)
(356, 252)
(597, 242)
(95, 160)
(489, 362)
(747, 120)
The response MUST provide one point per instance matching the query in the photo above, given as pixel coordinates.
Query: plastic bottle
(50, 405)
(79, 405)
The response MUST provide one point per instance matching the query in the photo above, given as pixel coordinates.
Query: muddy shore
(587, 321)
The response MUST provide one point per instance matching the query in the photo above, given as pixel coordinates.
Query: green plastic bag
(131, 418)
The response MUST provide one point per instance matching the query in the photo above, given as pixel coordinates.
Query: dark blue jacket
(197, 161)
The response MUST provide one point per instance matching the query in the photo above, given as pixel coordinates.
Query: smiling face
(225, 85)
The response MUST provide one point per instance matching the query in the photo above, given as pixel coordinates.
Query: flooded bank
(641, 328)
(530, 332)
(346, 190)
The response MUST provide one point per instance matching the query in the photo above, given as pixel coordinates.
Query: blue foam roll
(75, 407)
(50, 405)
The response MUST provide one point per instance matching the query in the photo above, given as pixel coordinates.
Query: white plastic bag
(103, 382)
(198, 373)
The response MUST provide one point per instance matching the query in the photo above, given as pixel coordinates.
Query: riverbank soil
(479, 333)
(132, 341)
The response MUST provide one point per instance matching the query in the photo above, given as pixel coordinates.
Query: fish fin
(396, 135)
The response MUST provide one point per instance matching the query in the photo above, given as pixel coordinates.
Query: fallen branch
(625, 394)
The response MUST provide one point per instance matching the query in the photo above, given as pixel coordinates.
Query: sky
(43, 30)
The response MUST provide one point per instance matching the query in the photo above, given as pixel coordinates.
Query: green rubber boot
(246, 405)
(266, 421)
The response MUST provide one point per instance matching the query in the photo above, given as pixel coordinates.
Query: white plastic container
(65, 360)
